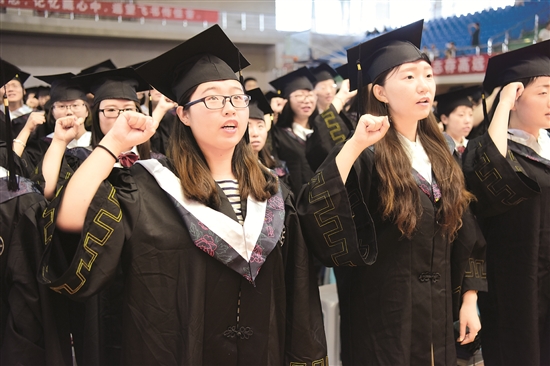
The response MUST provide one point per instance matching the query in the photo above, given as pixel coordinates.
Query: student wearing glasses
(215, 269)
(295, 124)
(114, 93)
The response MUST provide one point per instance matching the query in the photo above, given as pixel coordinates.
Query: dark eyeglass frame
(119, 111)
(225, 97)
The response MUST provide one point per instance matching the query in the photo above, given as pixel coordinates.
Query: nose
(228, 107)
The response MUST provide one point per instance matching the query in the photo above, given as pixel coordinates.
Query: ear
(444, 119)
(182, 115)
(379, 93)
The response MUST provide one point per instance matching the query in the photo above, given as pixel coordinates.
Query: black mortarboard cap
(113, 84)
(385, 52)
(526, 62)
(447, 102)
(323, 72)
(295, 80)
(9, 72)
(139, 64)
(102, 66)
(63, 87)
(259, 106)
(343, 71)
(208, 56)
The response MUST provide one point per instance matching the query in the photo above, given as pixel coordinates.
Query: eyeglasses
(300, 98)
(218, 101)
(115, 112)
(72, 107)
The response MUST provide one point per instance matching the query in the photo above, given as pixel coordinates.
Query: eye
(410, 77)
(429, 75)
(213, 97)
(129, 110)
(111, 110)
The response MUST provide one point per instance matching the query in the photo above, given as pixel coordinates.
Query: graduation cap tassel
(241, 79)
(485, 114)
(150, 104)
(359, 91)
(13, 184)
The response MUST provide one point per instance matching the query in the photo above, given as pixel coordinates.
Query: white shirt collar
(540, 145)
(301, 131)
(84, 141)
(418, 157)
(25, 109)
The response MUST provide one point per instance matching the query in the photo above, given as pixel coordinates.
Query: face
(459, 122)
(250, 84)
(216, 130)
(409, 91)
(155, 95)
(14, 91)
(325, 91)
(105, 123)
(257, 130)
(69, 108)
(302, 103)
(532, 109)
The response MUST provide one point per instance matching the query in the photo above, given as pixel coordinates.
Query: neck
(15, 105)
(219, 163)
(516, 124)
(459, 140)
(304, 122)
(322, 107)
(81, 132)
(406, 128)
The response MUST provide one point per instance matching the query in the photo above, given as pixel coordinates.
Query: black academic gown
(329, 129)
(180, 304)
(513, 205)
(396, 294)
(33, 327)
(291, 149)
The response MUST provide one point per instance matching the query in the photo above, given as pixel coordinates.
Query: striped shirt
(231, 189)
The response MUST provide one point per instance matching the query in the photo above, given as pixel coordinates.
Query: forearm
(83, 186)
(338, 103)
(20, 142)
(346, 158)
(51, 165)
(498, 129)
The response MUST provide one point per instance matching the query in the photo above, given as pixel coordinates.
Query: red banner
(473, 64)
(110, 9)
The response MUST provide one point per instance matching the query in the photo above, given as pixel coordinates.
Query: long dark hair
(286, 118)
(398, 191)
(144, 149)
(196, 179)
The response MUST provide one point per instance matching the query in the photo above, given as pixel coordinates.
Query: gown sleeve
(337, 224)
(468, 268)
(37, 331)
(80, 265)
(329, 129)
(305, 333)
(498, 183)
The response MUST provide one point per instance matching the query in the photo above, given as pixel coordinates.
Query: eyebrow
(414, 68)
(217, 89)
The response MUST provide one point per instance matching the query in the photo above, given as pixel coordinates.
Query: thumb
(462, 332)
